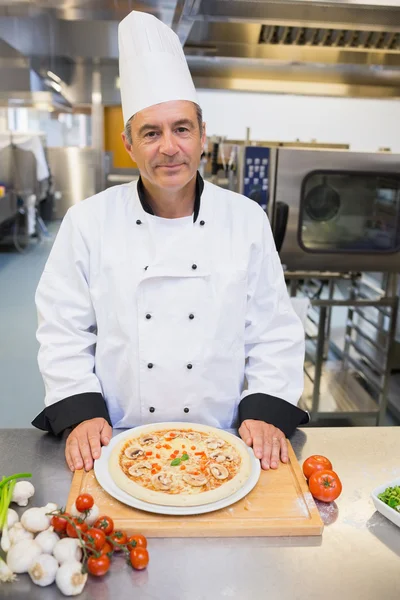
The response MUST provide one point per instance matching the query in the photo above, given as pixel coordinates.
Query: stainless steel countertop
(356, 557)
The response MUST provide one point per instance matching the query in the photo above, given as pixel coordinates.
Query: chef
(164, 299)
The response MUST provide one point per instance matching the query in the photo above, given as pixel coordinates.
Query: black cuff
(273, 410)
(72, 411)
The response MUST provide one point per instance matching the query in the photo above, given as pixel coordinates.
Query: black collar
(199, 190)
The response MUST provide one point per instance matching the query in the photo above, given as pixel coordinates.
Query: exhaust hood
(22, 86)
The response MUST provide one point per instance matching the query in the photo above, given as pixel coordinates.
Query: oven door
(343, 210)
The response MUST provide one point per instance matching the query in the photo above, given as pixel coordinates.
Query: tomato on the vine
(58, 523)
(105, 523)
(75, 526)
(325, 485)
(107, 548)
(316, 463)
(117, 538)
(139, 558)
(95, 538)
(98, 566)
(84, 502)
(140, 541)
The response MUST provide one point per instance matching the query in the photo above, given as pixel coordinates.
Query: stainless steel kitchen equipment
(74, 173)
(343, 209)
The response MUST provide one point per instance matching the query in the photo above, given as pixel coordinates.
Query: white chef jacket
(164, 332)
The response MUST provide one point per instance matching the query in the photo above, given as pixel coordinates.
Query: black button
(138, 222)
(186, 410)
(148, 316)
(150, 365)
(152, 409)
(194, 267)
(191, 316)
(189, 366)
(146, 268)
(202, 223)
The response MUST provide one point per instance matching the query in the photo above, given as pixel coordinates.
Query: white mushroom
(23, 490)
(43, 570)
(133, 452)
(21, 555)
(35, 520)
(162, 481)
(195, 480)
(17, 533)
(47, 540)
(214, 443)
(221, 457)
(193, 436)
(50, 507)
(145, 440)
(67, 550)
(12, 518)
(70, 580)
(140, 469)
(219, 471)
(90, 517)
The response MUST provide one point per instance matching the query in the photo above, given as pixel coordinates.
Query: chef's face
(166, 144)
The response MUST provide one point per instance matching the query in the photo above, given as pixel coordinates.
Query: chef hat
(152, 65)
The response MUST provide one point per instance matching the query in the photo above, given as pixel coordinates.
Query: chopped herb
(391, 497)
(185, 456)
(175, 462)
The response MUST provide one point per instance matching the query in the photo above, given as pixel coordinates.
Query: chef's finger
(245, 434)
(93, 436)
(69, 460)
(267, 450)
(75, 453)
(106, 433)
(284, 450)
(275, 452)
(85, 450)
(258, 442)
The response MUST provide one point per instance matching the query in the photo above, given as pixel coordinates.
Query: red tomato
(58, 523)
(139, 558)
(140, 540)
(84, 502)
(95, 538)
(325, 485)
(117, 538)
(98, 566)
(107, 548)
(316, 463)
(105, 523)
(75, 526)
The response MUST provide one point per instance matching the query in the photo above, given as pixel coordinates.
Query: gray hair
(199, 115)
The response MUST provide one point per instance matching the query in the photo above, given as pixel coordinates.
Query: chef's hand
(269, 442)
(84, 443)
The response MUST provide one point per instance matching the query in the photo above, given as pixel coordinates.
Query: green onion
(11, 477)
(7, 485)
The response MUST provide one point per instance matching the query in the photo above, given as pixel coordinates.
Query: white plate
(107, 483)
(384, 509)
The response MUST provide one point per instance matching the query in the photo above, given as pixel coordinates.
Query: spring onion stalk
(6, 575)
(7, 485)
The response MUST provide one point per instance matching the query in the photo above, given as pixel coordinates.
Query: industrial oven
(335, 210)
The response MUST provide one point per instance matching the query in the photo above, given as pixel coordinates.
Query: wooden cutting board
(279, 505)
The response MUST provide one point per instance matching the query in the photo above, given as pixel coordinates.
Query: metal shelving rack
(354, 383)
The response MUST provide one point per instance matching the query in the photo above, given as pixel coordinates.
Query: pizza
(180, 464)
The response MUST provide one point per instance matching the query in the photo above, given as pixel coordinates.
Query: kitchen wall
(64, 129)
(365, 124)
